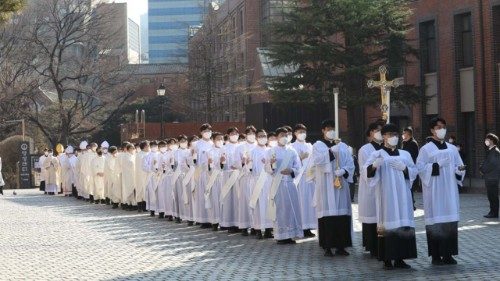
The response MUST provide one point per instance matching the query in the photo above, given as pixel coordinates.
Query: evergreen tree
(340, 44)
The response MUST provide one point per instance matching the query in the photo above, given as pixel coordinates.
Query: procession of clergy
(261, 183)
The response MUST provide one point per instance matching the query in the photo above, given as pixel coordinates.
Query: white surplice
(306, 187)
(367, 208)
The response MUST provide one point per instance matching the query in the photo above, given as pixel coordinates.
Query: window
(463, 32)
(241, 22)
(145, 80)
(428, 46)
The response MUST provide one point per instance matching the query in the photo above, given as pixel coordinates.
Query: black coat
(411, 146)
(491, 165)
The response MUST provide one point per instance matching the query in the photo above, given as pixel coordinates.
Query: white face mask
(46, 154)
(450, 140)
(289, 138)
(273, 143)
(393, 141)
(301, 136)
(487, 143)
(441, 133)
(378, 136)
(262, 141)
(175, 147)
(330, 134)
(219, 143)
(283, 140)
(163, 149)
(251, 138)
(154, 149)
(184, 145)
(234, 138)
(207, 135)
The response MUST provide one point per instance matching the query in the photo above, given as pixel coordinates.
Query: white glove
(378, 162)
(335, 148)
(398, 165)
(443, 162)
(339, 172)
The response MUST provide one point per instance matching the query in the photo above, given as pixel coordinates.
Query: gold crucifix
(385, 91)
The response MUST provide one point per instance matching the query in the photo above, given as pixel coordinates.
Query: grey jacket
(491, 165)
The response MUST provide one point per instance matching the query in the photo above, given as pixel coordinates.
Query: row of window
(463, 43)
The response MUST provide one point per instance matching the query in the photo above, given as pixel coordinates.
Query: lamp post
(161, 93)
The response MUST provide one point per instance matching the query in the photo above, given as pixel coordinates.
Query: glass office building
(169, 22)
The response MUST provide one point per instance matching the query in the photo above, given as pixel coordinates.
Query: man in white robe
(441, 171)
(261, 183)
(141, 176)
(69, 167)
(127, 164)
(305, 185)
(51, 166)
(183, 161)
(229, 195)
(43, 172)
(113, 175)
(88, 183)
(104, 149)
(391, 172)
(367, 209)
(283, 205)
(164, 161)
(332, 162)
(150, 165)
(214, 184)
(244, 190)
(98, 167)
(201, 150)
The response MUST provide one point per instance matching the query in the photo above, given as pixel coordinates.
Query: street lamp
(161, 93)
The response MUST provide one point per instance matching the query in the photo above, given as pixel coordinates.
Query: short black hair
(434, 122)
(299, 127)
(216, 134)
(241, 137)
(205, 126)
(192, 138)
(271, 134)
(250, 129)
(408, 130)
(390, 128)
(93, 144)
(493, 138)
(172, 141)
(260, 131)
(328, 123)
(182, 137)
(129, 146)
(162, 143)
(288, 128)
(153, 143)
(112, 149)
(124, 144)
(281, 130)
(143, 144)
(232, 129)
(373, 126)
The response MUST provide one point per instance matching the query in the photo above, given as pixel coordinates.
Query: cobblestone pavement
(55, 238)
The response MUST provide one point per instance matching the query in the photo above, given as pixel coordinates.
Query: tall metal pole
(162, 124)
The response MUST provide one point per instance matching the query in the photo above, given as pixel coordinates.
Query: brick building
(224, 62)
(459, 42)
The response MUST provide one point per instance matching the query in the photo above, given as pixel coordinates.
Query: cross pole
(385, 91)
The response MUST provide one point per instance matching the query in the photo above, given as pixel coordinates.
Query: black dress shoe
(286, 241)
(449, 260)
(190, 223)
(152, 213)
(115, 206)
(437, 261)
(491, 216)
(252, 231)
(401, 264)
(388, 265)
(244, 232)
(259, 235)
(308, 233)
(341, 252)
(232, 230)
(268, 233)
(328, 253)
(178, 220)
(215, 227)
(161, 215)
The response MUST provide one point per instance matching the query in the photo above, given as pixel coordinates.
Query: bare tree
(217, 74)
(75, 51)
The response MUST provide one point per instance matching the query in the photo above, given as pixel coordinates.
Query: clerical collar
(440, 145)
(328, 143)
(390, 151)
(376, 145)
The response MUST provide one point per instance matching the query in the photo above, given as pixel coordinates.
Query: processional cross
(385, 91)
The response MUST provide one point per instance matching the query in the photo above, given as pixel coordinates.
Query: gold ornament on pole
(59, 148)
(385, 91)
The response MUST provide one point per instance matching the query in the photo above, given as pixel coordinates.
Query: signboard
(24, 165)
